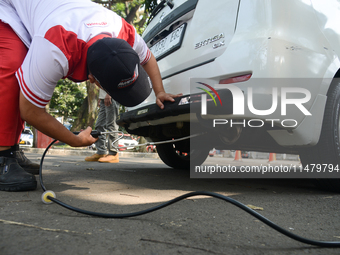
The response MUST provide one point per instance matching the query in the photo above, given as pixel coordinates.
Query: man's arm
(48, 125)
(151, 67)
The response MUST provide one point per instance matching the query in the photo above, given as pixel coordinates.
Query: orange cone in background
(238, 156)
(272, 157)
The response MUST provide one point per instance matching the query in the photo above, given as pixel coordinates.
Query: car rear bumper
(183, 105)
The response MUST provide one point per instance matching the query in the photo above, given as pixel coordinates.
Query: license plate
(169, 44)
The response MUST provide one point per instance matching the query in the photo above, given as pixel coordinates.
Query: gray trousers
(106, 121)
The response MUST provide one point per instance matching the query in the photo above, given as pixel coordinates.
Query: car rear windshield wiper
(159, 8)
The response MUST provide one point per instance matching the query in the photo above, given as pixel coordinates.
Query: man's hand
(107, 100)
(163, 96)
(85, 138)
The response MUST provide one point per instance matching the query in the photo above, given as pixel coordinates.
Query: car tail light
(236, 79)
(121, 149)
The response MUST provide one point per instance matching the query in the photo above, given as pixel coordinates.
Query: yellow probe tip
(46, 194)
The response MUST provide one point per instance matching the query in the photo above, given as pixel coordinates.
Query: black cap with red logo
(116, 67)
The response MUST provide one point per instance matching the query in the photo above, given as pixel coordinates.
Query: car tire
(178, 160)
(327, 150)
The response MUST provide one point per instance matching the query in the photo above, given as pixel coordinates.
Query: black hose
(328, 244)
(41, 164)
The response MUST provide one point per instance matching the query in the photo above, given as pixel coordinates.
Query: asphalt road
(198, 225)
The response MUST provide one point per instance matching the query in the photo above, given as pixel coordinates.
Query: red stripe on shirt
(127, 33)
(28, 93)
(147, 58)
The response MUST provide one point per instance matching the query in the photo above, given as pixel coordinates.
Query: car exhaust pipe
(229, 135)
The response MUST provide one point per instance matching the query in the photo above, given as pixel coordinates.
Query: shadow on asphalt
(153, 174)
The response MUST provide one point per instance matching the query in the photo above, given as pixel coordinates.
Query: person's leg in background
(12, 53)
(100, 126)
(111, 125)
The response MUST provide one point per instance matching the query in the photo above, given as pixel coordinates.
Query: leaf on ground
(255, 207)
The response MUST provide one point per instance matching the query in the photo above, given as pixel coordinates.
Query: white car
(26, 138)
(127, 141)
(255, 75)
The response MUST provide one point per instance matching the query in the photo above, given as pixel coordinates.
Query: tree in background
(87, 113)
(67, 99)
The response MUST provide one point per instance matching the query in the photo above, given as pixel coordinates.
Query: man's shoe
(109, 159)
(95, 157)
(25, 163)
(13, 177)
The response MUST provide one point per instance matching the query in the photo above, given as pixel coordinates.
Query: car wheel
(327, 150)
(177, 159)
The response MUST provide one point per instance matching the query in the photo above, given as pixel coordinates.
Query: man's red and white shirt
(58, 34)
